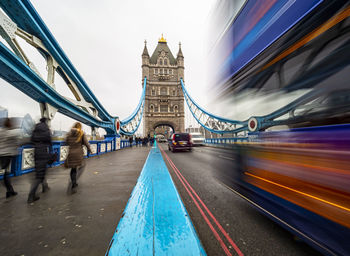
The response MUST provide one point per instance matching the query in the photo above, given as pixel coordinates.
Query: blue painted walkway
(155, 221)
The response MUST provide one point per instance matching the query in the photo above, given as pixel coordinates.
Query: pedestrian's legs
(45, 186)
(32, 197)
(5, 163)
(80, 170)
(73, 176)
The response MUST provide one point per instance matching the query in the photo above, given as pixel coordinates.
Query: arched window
(176, 109)
(151, 108)
(163, 91)
(165, 62)
(160, 62)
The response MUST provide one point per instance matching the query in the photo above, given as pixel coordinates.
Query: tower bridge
(164, 101)
(208, 201)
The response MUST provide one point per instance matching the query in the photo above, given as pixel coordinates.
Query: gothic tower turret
(145, 62)
(180, 64)
(164, 100)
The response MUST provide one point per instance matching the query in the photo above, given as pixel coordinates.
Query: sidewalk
(79, 224)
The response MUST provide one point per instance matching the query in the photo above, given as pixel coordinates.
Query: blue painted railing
(24, 162)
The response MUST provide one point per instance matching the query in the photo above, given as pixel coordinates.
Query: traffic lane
(252, 232)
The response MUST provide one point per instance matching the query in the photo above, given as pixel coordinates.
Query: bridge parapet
(24, 162)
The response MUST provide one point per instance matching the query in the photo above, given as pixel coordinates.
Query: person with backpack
(41, 139)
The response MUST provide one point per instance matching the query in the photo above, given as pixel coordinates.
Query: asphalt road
(252, 233)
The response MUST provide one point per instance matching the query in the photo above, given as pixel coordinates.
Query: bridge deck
(78, 224)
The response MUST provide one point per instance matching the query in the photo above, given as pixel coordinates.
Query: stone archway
(162, 127)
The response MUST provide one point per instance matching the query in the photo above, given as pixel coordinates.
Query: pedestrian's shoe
(45, 188)
(10, 193)
(32, 199)
(74, 188)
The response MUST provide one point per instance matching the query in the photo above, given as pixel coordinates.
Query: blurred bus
(290, 55)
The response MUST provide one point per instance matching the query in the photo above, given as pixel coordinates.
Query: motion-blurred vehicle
(180, 141)
(197, 139)
(296, 56)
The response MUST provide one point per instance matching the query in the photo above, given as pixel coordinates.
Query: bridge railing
(24, 162)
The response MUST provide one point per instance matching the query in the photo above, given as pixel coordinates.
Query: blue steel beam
(17, 73)
(213, 120)
(25, 16)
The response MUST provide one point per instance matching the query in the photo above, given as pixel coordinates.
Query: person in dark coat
(75, 140)
(130, 141)
(41, 139)
(9, 143)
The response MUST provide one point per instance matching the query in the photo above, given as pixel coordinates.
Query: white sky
(104, 40)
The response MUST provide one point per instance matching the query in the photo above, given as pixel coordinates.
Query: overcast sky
(104, 40)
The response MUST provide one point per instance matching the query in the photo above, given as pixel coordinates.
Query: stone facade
(164, 99)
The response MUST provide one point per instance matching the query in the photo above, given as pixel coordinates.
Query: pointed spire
(162, 40)
(145, 51)
(179, 54)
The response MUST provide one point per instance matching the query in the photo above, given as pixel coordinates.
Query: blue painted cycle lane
(155, 221)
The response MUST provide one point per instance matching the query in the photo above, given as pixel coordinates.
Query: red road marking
(187, 185)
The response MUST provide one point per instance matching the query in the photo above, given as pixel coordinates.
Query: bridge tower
(164, 99)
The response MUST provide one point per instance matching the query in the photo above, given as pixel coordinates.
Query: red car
(180, 141)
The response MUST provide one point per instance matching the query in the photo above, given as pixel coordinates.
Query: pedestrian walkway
(79, 224)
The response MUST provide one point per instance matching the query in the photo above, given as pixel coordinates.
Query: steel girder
(212, 122)
(19, 71)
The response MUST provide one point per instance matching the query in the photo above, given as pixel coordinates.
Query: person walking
(9, 142)
(41, 139)
(130, 141)
(75, 140)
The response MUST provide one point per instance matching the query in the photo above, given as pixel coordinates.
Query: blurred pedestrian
(130, 141)
(41, 139)
(75, 140)
(9, 142)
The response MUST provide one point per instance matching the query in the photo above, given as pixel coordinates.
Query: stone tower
(164, 100)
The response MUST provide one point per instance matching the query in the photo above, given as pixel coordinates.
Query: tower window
(165, 62)
(163, 91)
(153, 92)
(174, 93)
(151, 108)
(163, 108)
(161, 71)
(161, 62)
(176, 109)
